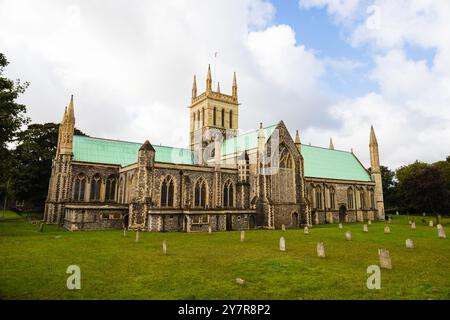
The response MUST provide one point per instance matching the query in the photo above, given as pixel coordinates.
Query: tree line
(27, 150)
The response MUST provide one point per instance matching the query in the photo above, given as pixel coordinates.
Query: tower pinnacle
(209, 80)
(194, 88)
(234, 87)
(331, 147)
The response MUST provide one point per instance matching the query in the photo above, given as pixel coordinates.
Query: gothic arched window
(332, 198)
(167, 191)
(96, 183)
(223, 117)
(362, 202)
(215, 116)
(200, 193)
(318, 198)
(228, 194)
(231, 119)
(111, 188)
(350, 198)
(80, 186)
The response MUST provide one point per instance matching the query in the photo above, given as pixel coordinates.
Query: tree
(444, 168)
(389, 187)
(12, 118)
(34, 153)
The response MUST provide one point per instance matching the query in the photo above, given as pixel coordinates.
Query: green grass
(9, 215)
(201, 266)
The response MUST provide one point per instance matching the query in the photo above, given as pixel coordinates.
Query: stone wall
(91, 218)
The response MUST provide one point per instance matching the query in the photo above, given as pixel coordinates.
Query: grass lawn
(201, 266)
(9, 215)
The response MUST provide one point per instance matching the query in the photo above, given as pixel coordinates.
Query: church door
(251, 222)
(342, 213)
(229, 222)
(295, 220)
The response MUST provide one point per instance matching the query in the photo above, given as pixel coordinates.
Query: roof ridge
(131, 142)
(325, 148)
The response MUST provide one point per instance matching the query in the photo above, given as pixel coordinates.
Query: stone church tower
(61, 177)
(212, 112)
(376, 173)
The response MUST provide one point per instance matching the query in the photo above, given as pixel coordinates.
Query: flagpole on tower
(215, 64)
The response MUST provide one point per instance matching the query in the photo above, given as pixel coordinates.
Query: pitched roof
(319, 162)
(97, 150)
(332, 164)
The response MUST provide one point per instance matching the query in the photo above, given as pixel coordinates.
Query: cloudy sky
(329, 68)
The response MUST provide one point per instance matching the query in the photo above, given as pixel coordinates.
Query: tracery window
(200, 193)
(111, 183)
(96, 183)
(79, 188)
(167, 191)
(228, 194)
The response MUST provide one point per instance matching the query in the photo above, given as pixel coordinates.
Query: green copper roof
(246, 141)
(319, 162)
(332, 164)
(87, 149)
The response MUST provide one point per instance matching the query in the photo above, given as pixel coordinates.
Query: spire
(209, 79)
(234, 87)
(147, 146)
(218, 87)
(373, 138)
(70, 110)
(331, 147)
(194, 88)
(298, 144)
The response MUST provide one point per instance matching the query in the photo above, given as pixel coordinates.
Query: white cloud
(340, 9)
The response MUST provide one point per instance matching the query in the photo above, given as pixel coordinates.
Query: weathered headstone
(41, 227)
(365, 228)
(397, 213)
(409, 244)
(282, 244)
(320, 250)
(209, 229)
(283, 227)
(369, 222)
(389, 219)
(424, 214)
(240, 281)
(242, 235)
(137, 236)
(387, 230)
(306, 230)
(413, 226)
(430, 223)
(410, 222)
(348, 236)
(165, 247)
(385, 259)
(340, 225)
(441, 231)
(124, 232)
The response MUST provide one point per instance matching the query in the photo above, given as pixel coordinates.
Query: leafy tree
(389, 187)
(444, 168)
(12, 118)
(34, 153)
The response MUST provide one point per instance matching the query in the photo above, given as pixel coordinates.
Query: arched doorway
(295, 221)
(251, 222)
(342, 213)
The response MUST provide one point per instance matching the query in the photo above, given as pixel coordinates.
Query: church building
(223, 181)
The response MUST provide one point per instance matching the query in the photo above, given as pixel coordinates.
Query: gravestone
(242, 235)
(409, 244)
(413, 226)
(424, 214)
(340, 225)
(165, 247)
(397, 213)
(385, 259)
(282, 244)
(348, 236)
(209, 229)
(441, 231)
(369, 222)
(430, 223)
(365, 228)
(410, 222)
(240, 281)
(306, 230)
(320, 250)
(41, 227)
(387, 230)
(283, 227)
(137, 236)
(389, 219)
(124, 232)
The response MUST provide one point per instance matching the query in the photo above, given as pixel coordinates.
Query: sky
(329, 68)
